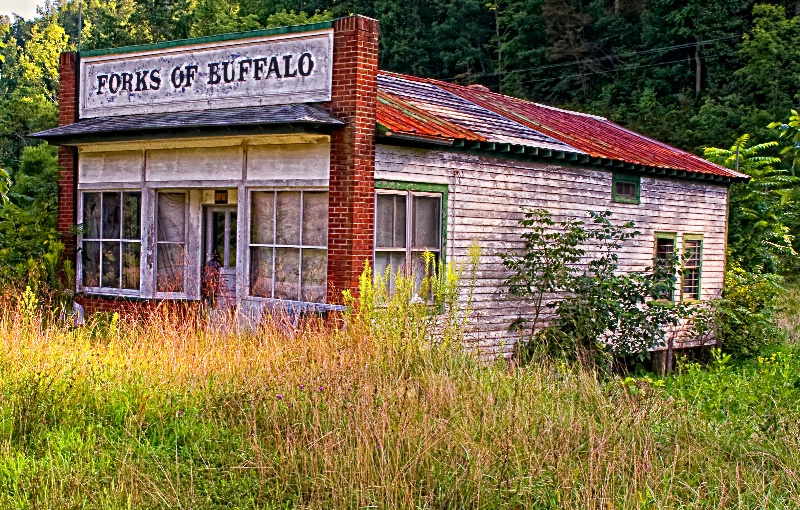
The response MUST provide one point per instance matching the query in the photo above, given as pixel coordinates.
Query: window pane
(315, 218)
(111, 217)
(664, 247)
(691, 284)
(692, 253)
(91, 216)
(418, 267)
(171, 217)
(111, 262)
(232, 240)
(287, 273)
(91, 263)
(131, 215)
(393, 261)
(288, 219)
(171, 261)
(261, 272)
(261, 217)
(384, 221)
(426, 223)
(131, 255)
(315, 274)
(218, 235)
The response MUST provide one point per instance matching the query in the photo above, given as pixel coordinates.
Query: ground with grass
(166, 412)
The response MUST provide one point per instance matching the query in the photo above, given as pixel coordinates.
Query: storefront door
(221, 248)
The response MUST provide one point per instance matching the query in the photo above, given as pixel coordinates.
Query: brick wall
(67, 156)
(352, 180)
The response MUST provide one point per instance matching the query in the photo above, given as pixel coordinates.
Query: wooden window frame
(665, 235)
(411, 189)
(636, 180)
(250, 245)
(109, 291)
(698, 268)
(156, 243)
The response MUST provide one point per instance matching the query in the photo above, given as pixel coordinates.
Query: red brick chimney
(67, 156)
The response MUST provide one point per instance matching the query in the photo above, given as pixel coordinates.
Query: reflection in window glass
(288, 245)
(111, 240)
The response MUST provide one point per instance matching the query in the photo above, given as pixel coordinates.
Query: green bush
(745, 321)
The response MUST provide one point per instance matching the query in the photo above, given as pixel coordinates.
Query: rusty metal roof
(505, 119)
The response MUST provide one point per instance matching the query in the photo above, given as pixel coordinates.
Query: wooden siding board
(486, 196)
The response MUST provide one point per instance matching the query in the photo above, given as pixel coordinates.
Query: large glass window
(111, 246)
(692, 264)
(171, 242)
(407, 224)
(289, 245)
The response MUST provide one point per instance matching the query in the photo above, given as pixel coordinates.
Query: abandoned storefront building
(288, 159)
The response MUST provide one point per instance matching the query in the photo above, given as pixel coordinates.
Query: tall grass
(167, 411)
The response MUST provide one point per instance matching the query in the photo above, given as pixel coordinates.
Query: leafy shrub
(744, 319)
(602, 312)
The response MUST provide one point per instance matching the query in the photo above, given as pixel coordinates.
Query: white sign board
(281, 69)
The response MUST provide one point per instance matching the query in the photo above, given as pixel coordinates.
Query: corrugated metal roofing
(440, 103)
(480, 111)
(228, 117)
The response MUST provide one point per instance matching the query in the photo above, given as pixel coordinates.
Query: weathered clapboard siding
(486, 200)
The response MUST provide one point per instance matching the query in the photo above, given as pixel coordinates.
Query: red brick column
(67, 156)
(352, 180)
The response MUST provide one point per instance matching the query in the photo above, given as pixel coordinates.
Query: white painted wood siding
(486, 200)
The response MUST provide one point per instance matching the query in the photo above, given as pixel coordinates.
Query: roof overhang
(249, 120)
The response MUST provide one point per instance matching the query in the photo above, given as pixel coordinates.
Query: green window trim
(628, 179)
(423, 188)
(673, 236)
(698, 296)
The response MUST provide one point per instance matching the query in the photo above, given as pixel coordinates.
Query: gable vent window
(626, 188)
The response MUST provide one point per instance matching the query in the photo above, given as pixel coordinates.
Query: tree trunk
(698, 78)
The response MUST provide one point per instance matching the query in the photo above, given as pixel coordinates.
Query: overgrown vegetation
(167, 411)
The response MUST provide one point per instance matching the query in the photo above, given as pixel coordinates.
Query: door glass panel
(111, 263)
(231, 240)
(426, 223)
(287, 273)
(91, 216)
(218, 235)
(262, 217)
(111, 217)
(315, 268)
(288, 218)
(261, 272)
(315, 219)
(91, 263)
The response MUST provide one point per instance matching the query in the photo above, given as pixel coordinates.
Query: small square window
(625, 188)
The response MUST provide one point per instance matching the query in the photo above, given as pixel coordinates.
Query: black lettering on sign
(306, 64)
(213, 73)
(287, 60)
(177, 77)
(141, 84)
(225, 66)
(114, 82)
(244, 68)
(191, 74)
(127, 82)
(274, 67)
(102, 81)
(155, 79)
(258, 67)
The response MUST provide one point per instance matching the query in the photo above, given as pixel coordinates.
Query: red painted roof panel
(476, 109)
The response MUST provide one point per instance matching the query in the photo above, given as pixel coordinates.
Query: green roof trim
(294, 29)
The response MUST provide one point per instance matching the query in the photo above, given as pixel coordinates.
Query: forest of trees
(691, 73)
